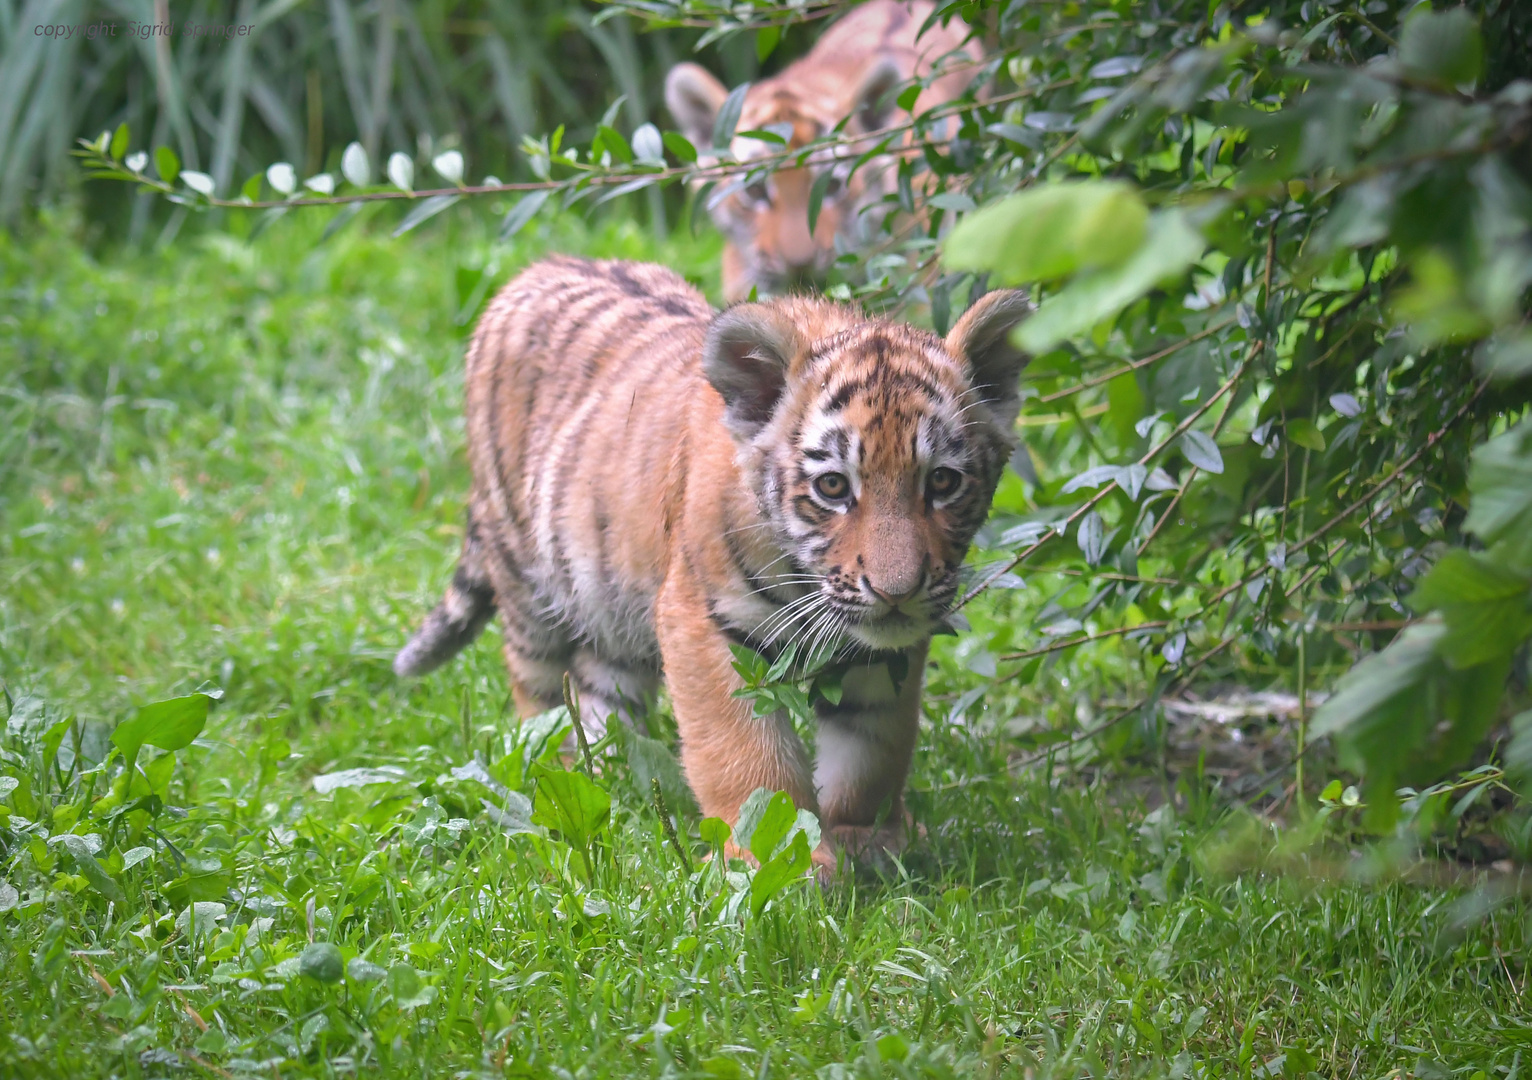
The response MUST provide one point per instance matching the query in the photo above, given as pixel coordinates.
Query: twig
(1083, 640)
(669, 825)
(716, 171)
(574, 714)
(1134, 365)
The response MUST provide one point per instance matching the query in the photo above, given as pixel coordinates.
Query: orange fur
(852, 71)
(650, 484)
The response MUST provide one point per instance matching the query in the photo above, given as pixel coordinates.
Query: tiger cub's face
(873, 451)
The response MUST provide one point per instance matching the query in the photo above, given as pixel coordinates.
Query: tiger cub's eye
(832, 486)
(943, 481)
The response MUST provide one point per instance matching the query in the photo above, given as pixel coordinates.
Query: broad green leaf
(364, 971)
(408, 989)
(817, 197)
(775, 874)
(1172, 246)
(200, 920)
(1051, 230)
(1435, 306)
(1403, 716)
(1090, 537)
(1485, 606)
(542, 735)
(650, 760)
(764, 135)
(765, 818)
(1301, 432)
(715, 832)
(321, 961)
(680, 146)
(167, 164)
(53, 738)
(1518, 751)
(153, 778)
(1202, 451)
(515, 817)
(571, 803)
(613, 141)
(728, 117)
(169, 725)
(893, 1047)
(89, 868)
(120, 141)
(1442, 45)
(1376, 680)
(1500, 482)
(1507, 356)
(766, 39)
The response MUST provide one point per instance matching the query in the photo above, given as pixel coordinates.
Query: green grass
(240, 468)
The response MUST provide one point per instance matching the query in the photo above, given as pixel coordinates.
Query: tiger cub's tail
(457, 620)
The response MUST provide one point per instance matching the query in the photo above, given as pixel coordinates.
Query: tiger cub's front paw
(870, 845)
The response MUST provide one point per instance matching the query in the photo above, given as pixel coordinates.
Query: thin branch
(1083, 640)
(1134, 365)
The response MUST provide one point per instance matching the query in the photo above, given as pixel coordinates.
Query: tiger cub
(653, 481)
(853, 71)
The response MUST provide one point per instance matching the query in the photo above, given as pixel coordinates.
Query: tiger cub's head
(873, 450)
(766, 221)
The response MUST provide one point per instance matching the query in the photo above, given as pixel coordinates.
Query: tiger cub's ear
(873, 103)
(982, 338)
(746, 358)
(694, 97)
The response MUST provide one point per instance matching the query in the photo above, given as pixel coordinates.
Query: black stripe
(810, 512)
(843, 395)
(624, 280)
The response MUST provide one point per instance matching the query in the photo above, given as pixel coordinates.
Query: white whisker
(809, 614)
(789, 613)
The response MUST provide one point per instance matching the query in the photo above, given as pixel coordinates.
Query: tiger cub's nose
(894, 593)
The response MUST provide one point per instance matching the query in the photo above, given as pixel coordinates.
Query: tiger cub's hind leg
(611, 687)
(537, 649)
(538, 652)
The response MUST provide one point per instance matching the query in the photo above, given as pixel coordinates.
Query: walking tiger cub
(853, 71)
(653, 481)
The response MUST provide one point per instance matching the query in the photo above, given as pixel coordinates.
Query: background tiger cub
(850, 72)
(653, 481)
